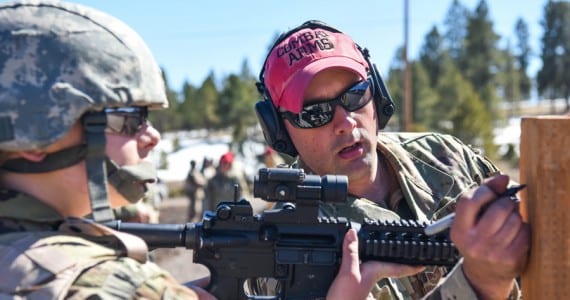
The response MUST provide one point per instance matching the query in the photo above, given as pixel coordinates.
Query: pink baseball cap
(297, 59)
(227, 158)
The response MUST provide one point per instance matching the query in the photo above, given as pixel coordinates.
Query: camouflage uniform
(221, 187)
(433, 170)
(46, 263)
(194, 189)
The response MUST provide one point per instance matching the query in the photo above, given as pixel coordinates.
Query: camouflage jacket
(43, 256)
(221, 187)
(432, 170)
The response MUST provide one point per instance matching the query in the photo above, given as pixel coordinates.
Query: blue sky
(191, 38)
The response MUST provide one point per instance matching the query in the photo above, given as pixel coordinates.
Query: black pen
(445, 222)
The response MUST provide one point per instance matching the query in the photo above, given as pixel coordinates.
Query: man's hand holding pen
(445, 222)
(489, 232)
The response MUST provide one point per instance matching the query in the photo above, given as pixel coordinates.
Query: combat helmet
(61, 63)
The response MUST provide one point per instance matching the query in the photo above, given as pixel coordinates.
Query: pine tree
(208, 102)
(431, 55)
(456, 30)
(480, 58)
(166, 119)
(553, 79)
(523, 54)
(463, 112)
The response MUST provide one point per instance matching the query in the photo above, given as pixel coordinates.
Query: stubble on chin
(366, 165)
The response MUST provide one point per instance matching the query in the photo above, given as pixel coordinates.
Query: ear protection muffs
(270, 120)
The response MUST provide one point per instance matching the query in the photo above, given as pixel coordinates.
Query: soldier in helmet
(76, 86)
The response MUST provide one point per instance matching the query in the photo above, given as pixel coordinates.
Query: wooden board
(545, 205)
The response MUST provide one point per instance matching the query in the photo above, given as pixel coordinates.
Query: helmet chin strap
(94, 127)
(53, 161)
(131, 181)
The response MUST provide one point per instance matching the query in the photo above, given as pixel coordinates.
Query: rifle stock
(291, 244)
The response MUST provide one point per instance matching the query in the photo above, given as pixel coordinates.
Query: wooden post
(545, 205)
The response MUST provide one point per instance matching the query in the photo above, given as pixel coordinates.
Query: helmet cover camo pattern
(59, 60)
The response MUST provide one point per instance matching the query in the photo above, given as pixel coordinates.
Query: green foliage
(466, 115)
(424, 99)
(509, 79)
(481, 56)
(553, 79)
(395, 84)
(163, 164)
(208, 96)
(456, 29)
(462, 78)
(176, 144)
(191, 108)
(237, 100)
(209, 107)
(432, 54)
(166, 119)
(524, 52)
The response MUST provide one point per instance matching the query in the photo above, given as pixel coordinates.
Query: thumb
(350, 261)
(346, 285)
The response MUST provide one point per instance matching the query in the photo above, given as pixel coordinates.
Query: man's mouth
(349, 148)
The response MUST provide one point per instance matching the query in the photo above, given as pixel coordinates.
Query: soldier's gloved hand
(494, 241)
(355, 280)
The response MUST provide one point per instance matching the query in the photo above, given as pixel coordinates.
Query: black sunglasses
(126, 120)
(320, 113)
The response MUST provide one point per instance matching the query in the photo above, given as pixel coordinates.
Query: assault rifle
(294, 246)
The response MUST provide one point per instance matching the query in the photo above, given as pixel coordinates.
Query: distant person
(222, 186)
(194, 188)
(271, 158)
(208, 169)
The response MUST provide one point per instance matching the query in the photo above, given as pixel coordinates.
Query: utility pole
(408, 114)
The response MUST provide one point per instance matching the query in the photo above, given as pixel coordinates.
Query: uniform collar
(20, 206)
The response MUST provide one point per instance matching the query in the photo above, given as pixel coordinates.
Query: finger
(494, 220)
(513, 257)
(498, 183)
(350, 260)
(348, 277)
(471, 202)
(467, 209)
(521, 242)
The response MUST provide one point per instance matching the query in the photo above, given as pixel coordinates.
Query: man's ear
(33, 155)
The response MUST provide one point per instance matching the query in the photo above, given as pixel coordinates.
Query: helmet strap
(131, 181)
(53, 161)
(94, 127)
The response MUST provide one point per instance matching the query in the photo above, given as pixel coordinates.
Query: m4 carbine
(291, 245)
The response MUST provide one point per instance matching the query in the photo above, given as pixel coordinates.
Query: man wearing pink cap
(221, 187)
(325, 102)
